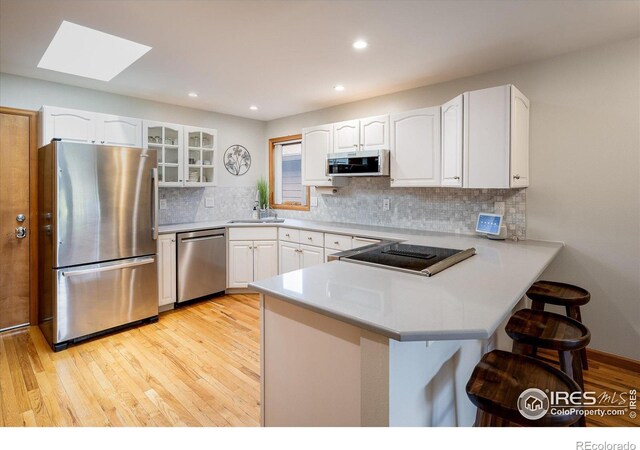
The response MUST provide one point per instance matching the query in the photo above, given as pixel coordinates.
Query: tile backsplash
(188, 204)
(360, 202)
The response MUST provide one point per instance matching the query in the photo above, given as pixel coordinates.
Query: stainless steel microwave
(368, 163)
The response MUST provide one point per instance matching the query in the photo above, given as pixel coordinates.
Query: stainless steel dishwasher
(202, 264)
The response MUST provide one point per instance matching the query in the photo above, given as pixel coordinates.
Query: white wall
(585, 171)
(29, 93)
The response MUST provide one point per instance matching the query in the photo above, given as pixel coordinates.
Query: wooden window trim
(272, 146)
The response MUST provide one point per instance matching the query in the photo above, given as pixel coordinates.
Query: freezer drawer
(97, 297)
(202, 264)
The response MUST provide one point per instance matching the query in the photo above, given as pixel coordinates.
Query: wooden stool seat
(501, 377)
(556, 293)
(561, 294)
(547, 330)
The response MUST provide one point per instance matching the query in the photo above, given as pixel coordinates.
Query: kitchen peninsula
(345, 344)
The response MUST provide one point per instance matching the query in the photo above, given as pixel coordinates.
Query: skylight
(89, 53)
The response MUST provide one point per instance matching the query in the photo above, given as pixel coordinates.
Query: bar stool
(552, 331)
(497, 388)
(561, 294)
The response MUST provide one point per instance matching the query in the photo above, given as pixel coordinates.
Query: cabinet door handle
(336, 243)
(517, 177)
(456, 178)
(310, 238)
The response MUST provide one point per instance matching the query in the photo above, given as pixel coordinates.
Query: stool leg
(519, 349)
(571, 365)
(574, 313)
(536, 306)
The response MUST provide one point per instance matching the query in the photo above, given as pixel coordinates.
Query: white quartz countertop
(467, 301)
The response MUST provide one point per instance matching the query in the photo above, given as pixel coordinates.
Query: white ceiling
(286, 56)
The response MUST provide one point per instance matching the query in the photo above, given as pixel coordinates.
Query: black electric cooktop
(413, 258)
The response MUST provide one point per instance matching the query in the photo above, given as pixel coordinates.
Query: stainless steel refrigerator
(97, 239)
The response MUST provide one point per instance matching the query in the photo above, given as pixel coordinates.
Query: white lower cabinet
(289, 257)
(265, 259)
(166, 269)
(240, 268)
(310, 256)
(251, 261)
(299, 256)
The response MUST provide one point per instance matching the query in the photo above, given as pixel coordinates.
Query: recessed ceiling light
(193, 94)
(339, 87)
(90, 53)
(253, 108)
(360, 44)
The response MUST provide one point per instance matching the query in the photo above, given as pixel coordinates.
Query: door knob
(20, 218)
(21, 232)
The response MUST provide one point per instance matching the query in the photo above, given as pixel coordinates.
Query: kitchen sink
(266, 220)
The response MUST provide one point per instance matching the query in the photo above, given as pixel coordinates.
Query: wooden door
(452, 142)
(240, 268)
(317, 142)
(415, 148)
(346, 136)
(17, 197)
(374, 133)
(265, 259)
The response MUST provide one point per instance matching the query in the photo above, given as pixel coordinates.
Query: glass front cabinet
(201, 145)
(186, 155)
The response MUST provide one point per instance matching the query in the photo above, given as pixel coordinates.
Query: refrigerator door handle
(154, 203)
(108, 267)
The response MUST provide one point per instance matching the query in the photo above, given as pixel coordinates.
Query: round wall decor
(237, 160)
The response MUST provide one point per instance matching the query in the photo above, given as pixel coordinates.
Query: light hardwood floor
(198, 366)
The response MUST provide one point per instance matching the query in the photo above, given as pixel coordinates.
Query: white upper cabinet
(451, 117)
(73, 125)
(374, 133)
(67, 124)
(118, 130)
(201, 146)
(415, 148)
(496, 138)
(317, 142)
(167, 140)
(346, 136)
(519, 139)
